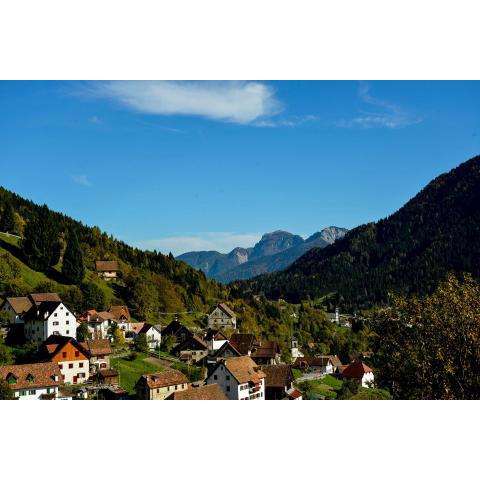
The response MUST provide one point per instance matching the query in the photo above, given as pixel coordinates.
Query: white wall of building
(59, 322)
(34, 393)
(232, 389)
(75, 368)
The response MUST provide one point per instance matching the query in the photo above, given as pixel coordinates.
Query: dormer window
(30, 377)
(11, 379)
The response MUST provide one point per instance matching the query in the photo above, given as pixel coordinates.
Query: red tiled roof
(206, 392)
(97, 347)
(278, 375)
(119, 310)
(244, 369)
(356, 370)
(19, 304)
(243, 342)
(42, 375)
(165, 378)
(295, 394)
(106, 266)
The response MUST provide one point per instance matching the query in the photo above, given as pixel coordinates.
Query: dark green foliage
(41, 244)
(73, 268)
(7, 219)
(82, 332)
(371, 394)
(349, 389)
(6, 355)
(93, 297)
(141, 344)
(410, 252)
(6, 392)
(168, 342)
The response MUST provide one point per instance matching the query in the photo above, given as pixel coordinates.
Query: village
(91, 354)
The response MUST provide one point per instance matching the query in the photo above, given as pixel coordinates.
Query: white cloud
(386, 114)
(82, 180)
(222, 242)
(236, 102)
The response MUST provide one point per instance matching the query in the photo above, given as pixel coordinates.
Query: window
(55, 314)
(67, 314)
(77, 353)
(228, 377)
(60, 365)
(29, 377)
(70, 365)
(68, 332)
(56, 323)
(49, 390)
(32, 392)
(228, 389)
(64, 354)
(23, 393)
(215, 377)
(67, 322)
(176, 387)
(80, 364)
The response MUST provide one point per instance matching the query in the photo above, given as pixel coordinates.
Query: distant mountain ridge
(275, 251)
(407, 253)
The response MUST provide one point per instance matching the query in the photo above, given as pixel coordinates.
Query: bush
(132, 356)
(194, 374)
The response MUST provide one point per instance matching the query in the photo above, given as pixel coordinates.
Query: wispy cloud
(291, 121)
(222, 242)
(95, 120)
(384, 114)
(82, 180)
(235, 102)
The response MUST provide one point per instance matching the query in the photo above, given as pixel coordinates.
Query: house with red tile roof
(158, 386)
(240, 378)
(359, 371)
(70, 356)
(107, 269)
(34, 381)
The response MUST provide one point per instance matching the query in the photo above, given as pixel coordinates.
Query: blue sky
(181, 166)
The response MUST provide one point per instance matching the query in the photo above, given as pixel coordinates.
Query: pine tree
(73, 267)
(41, 246)
(7, 220)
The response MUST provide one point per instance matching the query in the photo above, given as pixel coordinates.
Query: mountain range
(275, 251)
(407, 253)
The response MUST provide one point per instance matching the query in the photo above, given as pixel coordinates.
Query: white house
(15, 307)
(215, 339)
(359, 371)
(34, 381)
(98, 323)
(222, 317)
(46, 318)
(71, 357)
(296, 353)
(321, 365)
(153, 334)
(240, 378)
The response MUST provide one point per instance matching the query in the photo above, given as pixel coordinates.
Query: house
(245, 343)
(32, 381)
(240, 378)
(121, 316)
(158, 386)
(205, 392)
(15, 307)
(99, 323)
(107, 269)
(177, 330)
(222, 317)
(321, 365)
(47, 316)
(227, 350)
(98, 352)
(192, 350)
(107, 376)
(336, 362)
(266, 352)
(294, 394)
(359, 371)
(153, 334)
(278, 381)
(71, 357)
(215, 339)
(133, 330)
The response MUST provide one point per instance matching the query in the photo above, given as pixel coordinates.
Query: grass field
(326, 388)
(132, 370)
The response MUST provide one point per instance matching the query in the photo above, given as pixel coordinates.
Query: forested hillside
(58, 253)
(409, 252)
